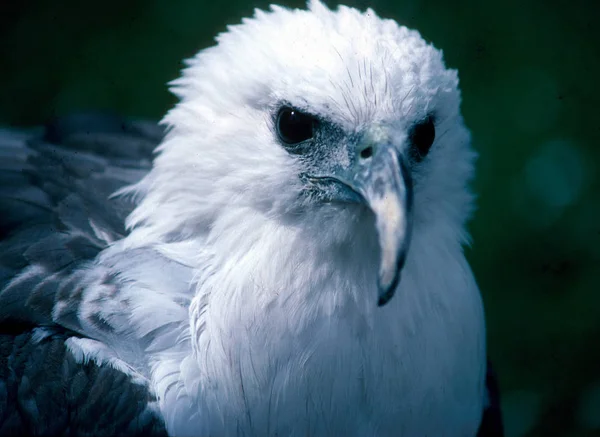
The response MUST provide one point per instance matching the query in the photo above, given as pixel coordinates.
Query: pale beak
(379, 179)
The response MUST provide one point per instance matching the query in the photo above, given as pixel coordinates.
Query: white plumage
(250, 309)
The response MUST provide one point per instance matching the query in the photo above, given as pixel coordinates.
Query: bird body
(300, 178)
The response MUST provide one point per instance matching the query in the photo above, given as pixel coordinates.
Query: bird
(281, 256)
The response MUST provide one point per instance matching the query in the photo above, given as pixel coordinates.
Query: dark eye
(294, 126)
(421, 137)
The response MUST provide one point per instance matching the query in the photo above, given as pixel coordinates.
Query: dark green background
(529, 72)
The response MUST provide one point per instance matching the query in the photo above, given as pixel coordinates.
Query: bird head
(335, 120)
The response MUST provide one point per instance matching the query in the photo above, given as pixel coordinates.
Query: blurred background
(529, 72)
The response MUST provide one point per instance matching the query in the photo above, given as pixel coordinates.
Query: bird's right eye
(293, 126)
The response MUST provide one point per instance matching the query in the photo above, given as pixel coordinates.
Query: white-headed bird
(288, 263)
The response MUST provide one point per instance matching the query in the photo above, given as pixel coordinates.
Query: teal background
(529, 72)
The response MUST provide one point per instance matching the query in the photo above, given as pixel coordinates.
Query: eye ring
(294, 126)
(422, 136)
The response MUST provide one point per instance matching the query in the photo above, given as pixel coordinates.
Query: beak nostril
(366, 152)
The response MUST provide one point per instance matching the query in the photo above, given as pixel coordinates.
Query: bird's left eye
(293, 126)
(421, 137)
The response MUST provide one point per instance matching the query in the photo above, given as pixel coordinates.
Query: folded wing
(56, 216)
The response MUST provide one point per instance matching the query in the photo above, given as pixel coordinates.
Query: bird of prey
(288, 262)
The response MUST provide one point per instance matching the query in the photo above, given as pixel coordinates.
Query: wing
(56, 216)
(44, 390)
(491, 422)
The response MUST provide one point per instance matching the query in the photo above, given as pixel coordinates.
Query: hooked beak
(379, 179)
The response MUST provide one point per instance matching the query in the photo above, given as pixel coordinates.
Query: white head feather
(285, 334)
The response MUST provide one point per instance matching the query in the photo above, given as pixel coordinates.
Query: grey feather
(56, 216)
(63, 397)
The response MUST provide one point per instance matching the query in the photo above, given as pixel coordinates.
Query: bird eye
(421, 137)
(293, 126)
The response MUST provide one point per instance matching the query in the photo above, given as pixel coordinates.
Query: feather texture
(56, 216)
(46, 390)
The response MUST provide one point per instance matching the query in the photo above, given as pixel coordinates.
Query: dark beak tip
(386, 293)
(383, 300)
